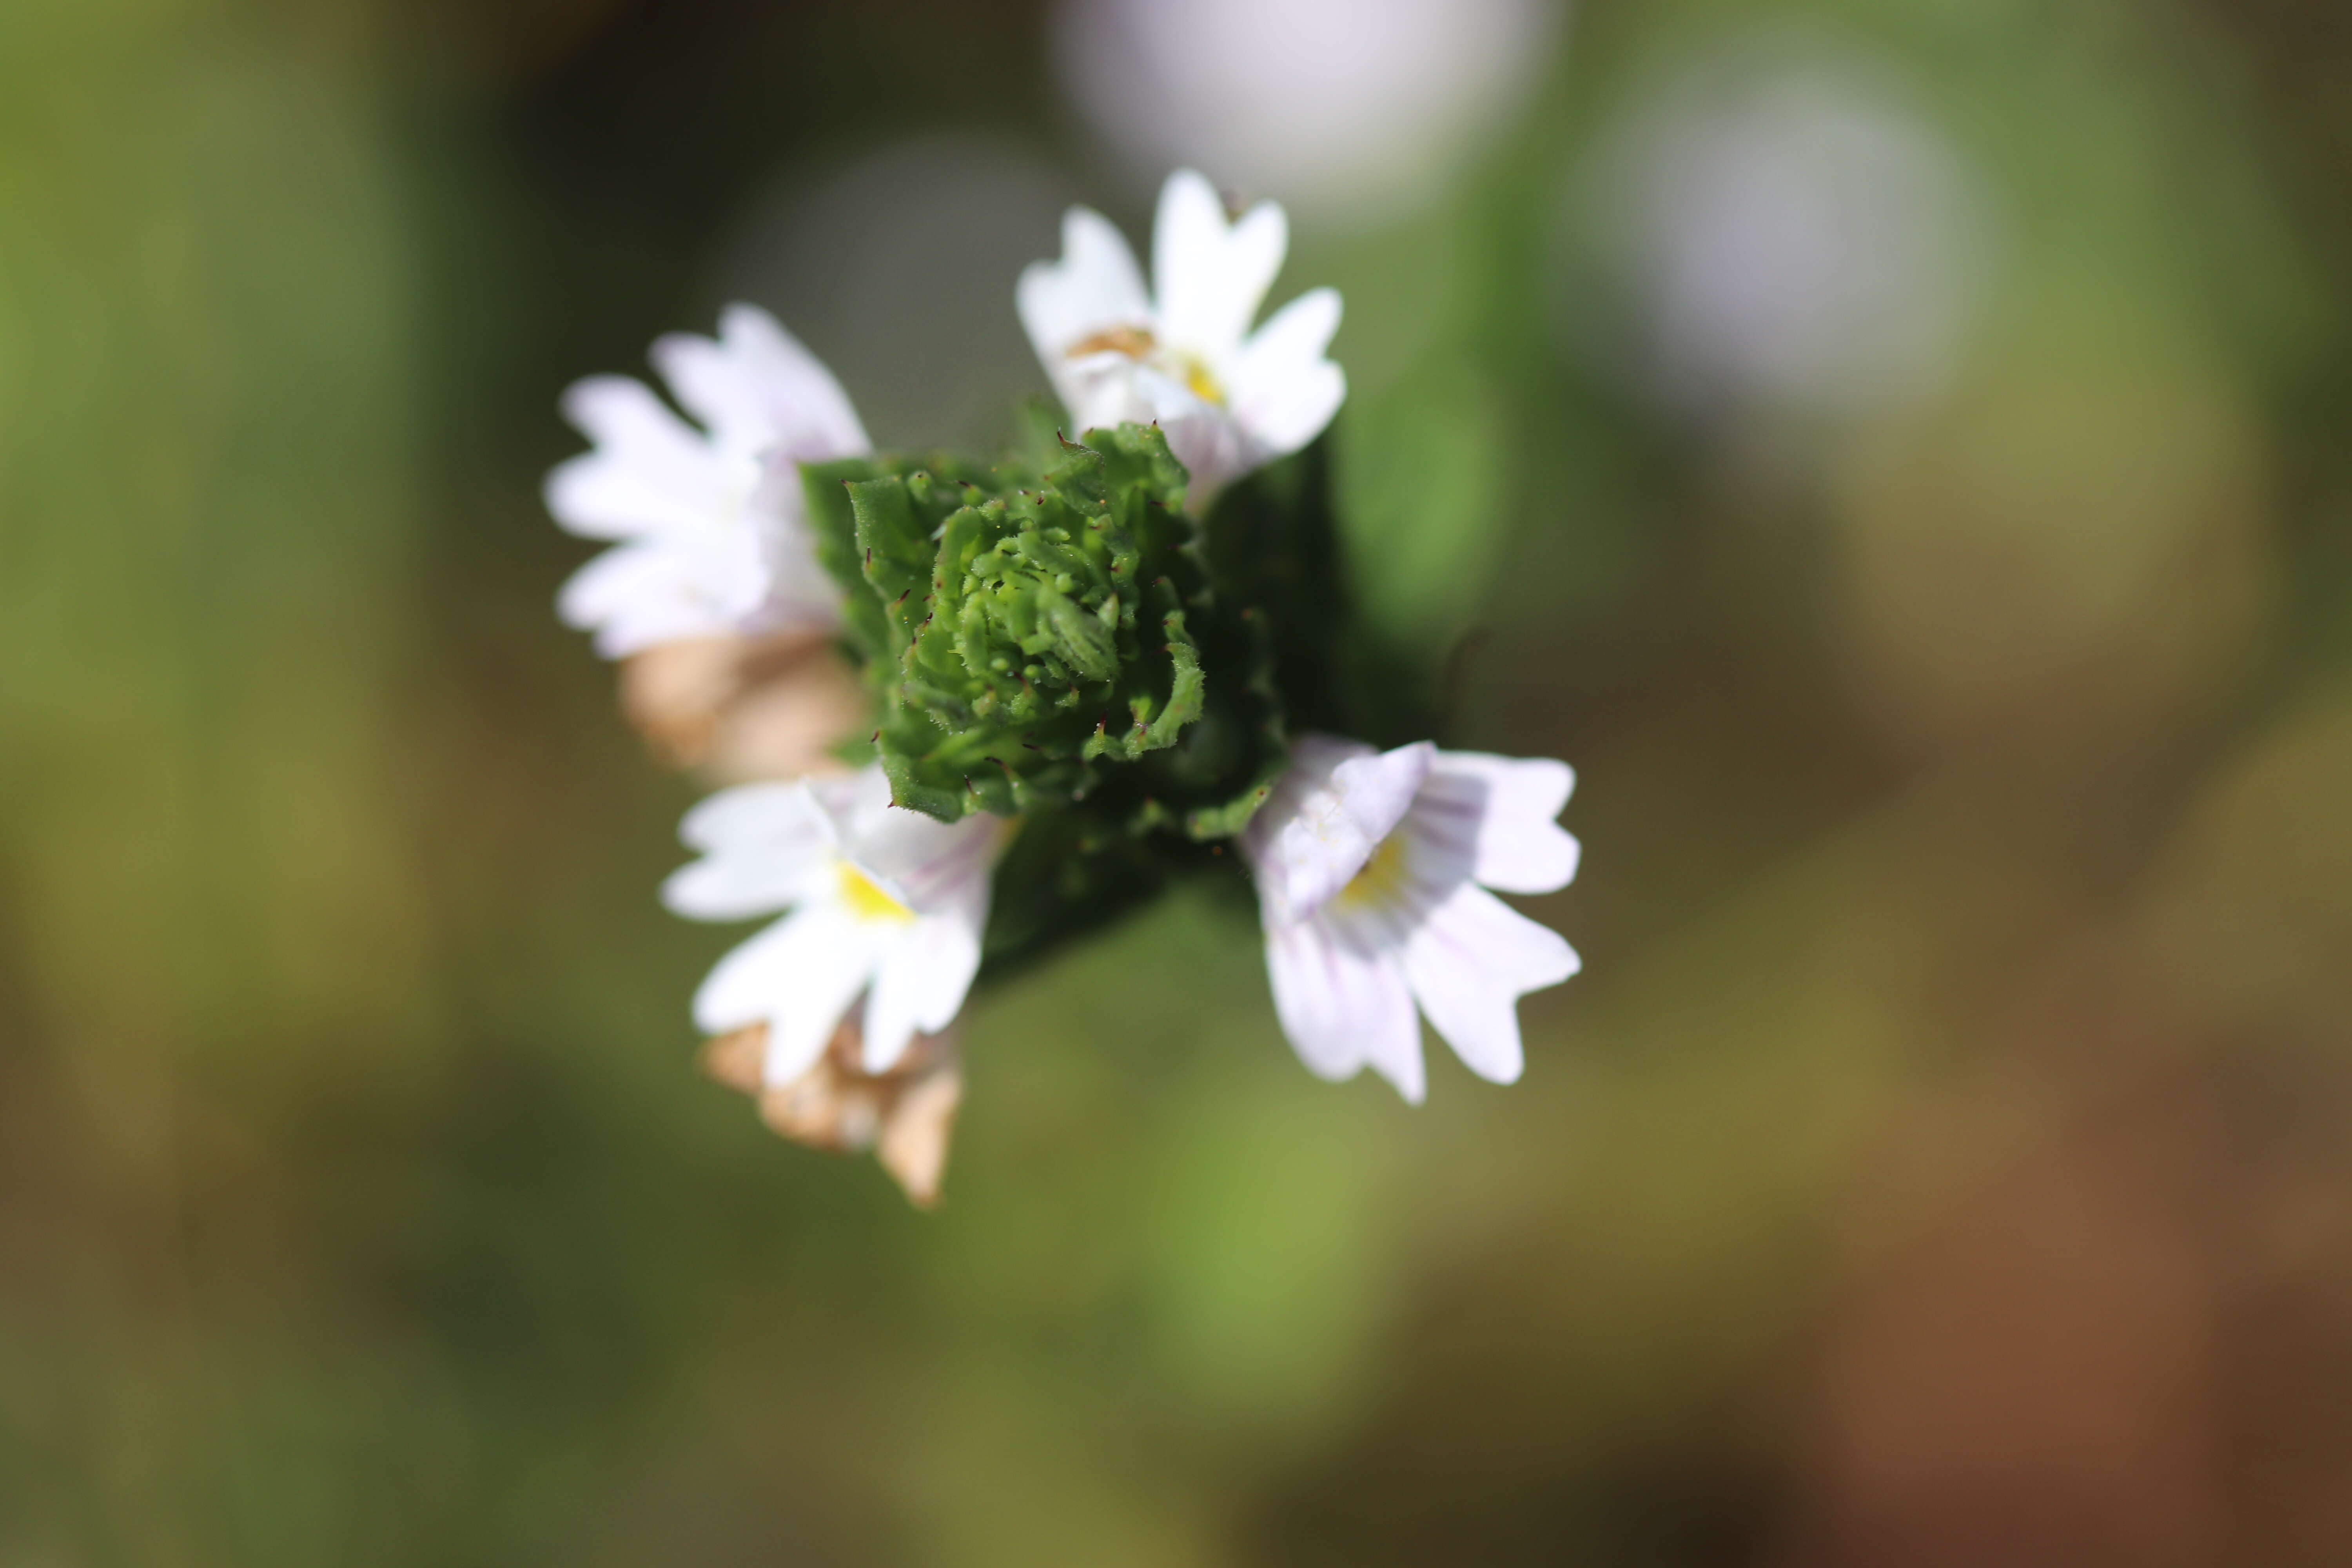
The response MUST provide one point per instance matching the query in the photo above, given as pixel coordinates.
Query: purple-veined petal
(1469, 960)
(1313, 841)
(1343, 1007)
(1506, 807)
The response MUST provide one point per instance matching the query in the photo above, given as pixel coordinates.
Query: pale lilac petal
(1280, 387)
(931, 866)
(1313, 758)
(668, 586)
(1208, 278)
(622, 411)
(1505, 808)
(954, 868)
(854, 804)
(801, 595)
(708, 382)
(757, 388)
(1214, 450)
(634, 596)
(649, 471)
(1201, 434)
(807, 411)
(799, 977)
(1469, 960)
(1319, 838)
(1343, 1007)
(920, 984)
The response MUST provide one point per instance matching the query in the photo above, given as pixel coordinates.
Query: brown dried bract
(906, 1115)
(740, 709)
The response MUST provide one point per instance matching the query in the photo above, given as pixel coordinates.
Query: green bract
(1050, 641)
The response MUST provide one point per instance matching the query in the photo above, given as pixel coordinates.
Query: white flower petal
(730, 492)
(1505, 806)
(757, 388)
(1214, 449)
(1105, 389)
(1343, 1007)
(649, 471)
(659, 590)
(754, 817)
(764, 846)
(1468, 960)
(935, 865)
(1094, 289)
(801, 595)
(919, 985)
(1319, 828)
(709, 384)
(807, 410)
(854, 804)
(1208, 279)
(1202, 434)
(1281, 388)
(799, 977)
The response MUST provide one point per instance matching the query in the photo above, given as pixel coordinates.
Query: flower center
(1381, 878)
(1203, 384)
(866, 899)
(1140, 345)
(1135, 343)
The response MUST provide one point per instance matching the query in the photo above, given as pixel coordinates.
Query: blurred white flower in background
(1183, 356)
(885, 902)
(1372, 869)
(1796, 236)
(1354, 110)
(710, 537)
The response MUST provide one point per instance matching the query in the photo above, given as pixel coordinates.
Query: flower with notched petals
(885, 903)
(1372, 872)
(1182, 356)
(709, 534)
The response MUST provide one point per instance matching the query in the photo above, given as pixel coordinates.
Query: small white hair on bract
(1352, 112)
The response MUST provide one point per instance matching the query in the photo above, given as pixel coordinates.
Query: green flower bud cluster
(1047, 638)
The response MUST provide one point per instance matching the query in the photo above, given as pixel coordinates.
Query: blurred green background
(1896, 449)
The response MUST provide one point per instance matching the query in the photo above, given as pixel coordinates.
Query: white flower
(1359, 110)
(1372, 870)
(1228, 398)
(1798, 236)
(711, 537)
(884, 900)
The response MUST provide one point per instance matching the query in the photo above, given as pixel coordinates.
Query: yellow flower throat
(1139, 343)
(1383, 876)
(866, 899)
